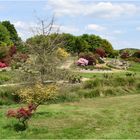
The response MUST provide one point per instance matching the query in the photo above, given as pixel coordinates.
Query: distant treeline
(77, 44)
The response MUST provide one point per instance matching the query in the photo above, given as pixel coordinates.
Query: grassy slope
(135, 68)
(112, 117)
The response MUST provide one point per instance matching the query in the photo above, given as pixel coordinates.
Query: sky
(115, 20)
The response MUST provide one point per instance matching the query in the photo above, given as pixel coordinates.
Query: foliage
(101, 52)
(74, 78)
(62, 54)
(12, 51)
(38, 93)
(106, 45)
(77, 44)
(22, 114)
(4, 36)
(82, 62)
(125, 55)
(114, 54)
(88, 56)
(34, 96)
(136, 54)
(12, 31)
(7, 96)
(3, 51)
(44, 59)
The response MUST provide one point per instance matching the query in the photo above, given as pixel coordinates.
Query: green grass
(135, 67)
(9, 76)
(112, 117)
(90, 75)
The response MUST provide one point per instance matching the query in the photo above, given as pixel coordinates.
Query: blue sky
(116, 20)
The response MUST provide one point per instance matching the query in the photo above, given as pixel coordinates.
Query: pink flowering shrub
(82, 62)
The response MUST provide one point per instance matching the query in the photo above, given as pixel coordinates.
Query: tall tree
(12, 31)
(43, 49)
(106, 45)
(4, 35)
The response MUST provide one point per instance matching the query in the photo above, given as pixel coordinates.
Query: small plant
(74, 79)
(22, 114)
(34, 96)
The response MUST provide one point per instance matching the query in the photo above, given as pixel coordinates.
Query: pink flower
(82, 62)
(2, 65)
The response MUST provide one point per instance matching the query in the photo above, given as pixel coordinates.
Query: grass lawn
(100, 75)
(111, 117)
(135, 67)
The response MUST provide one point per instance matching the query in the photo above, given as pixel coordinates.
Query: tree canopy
(4, 36)
(12, 31)
(78, 44)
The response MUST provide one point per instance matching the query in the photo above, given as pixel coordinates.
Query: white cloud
(95, 27)
(118, 32)
(25, 29)
(100, 9)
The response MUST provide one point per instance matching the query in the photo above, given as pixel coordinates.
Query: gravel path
(100, 71)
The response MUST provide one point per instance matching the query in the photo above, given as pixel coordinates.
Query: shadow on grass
(20, 127)
(17, 127)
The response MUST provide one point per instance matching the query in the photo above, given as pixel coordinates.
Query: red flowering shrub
(125, 55)
(12, 51)
(22, 114)
(101, 52)
(6, 60)
(2, 65)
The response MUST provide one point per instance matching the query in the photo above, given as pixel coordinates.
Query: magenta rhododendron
(2, 65)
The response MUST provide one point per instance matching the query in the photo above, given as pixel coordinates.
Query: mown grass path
(111, 117)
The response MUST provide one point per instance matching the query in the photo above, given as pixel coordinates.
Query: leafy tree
(94, 42)
(5, 41)
(69, 42)
(12, 31)
(106, 45)
(80, 45)
(43, 62)
(4, 36)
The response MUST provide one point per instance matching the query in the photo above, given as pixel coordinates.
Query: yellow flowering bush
(62, 54)
(38, 93)
(34, 96)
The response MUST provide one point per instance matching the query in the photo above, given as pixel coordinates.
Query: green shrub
(92, 83)
(7, 96)
(4, 78)
(110, 92)
(138, 85)
(120, 81)
(89, 93)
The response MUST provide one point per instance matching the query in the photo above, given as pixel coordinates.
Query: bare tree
(43, 61)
